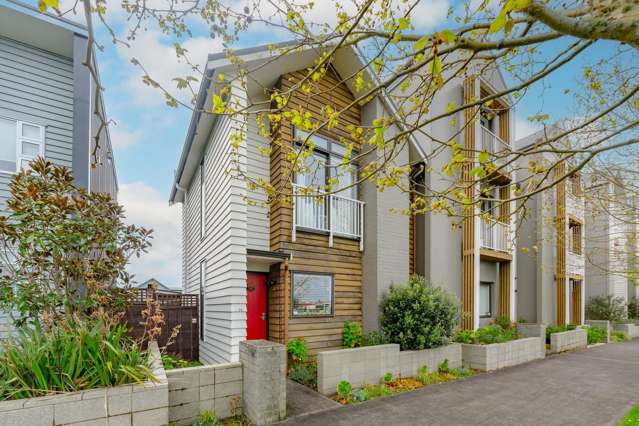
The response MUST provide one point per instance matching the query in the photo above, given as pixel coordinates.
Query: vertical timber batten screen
(179, 309)
(468, 227)
(561, 246)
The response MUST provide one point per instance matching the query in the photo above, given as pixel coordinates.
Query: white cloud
(523, 127)
(429, 13)
(145, 206)
(158, 57)
(122, 137)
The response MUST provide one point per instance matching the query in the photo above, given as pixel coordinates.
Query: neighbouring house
(551, 284)
(161, 288)
(611, 230)
(471, 255)
(283, 270)
(47, 101)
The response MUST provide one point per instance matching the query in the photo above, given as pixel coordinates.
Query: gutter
(190, 135)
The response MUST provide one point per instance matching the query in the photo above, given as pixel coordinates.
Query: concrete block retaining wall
(410, 362)
(135, 404)
(568, 340)
(215, 388)
(367, 365)
(630, 329)
(534, 330)
(601, 324)
(499, 355)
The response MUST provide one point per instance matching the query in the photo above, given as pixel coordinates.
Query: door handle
(263, 316)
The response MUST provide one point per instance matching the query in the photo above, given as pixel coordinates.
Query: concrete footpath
(595, 386)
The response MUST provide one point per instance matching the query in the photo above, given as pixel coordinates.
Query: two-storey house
(47, 101)
(550, 239)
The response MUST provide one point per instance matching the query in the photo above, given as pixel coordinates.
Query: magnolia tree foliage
(64, 250)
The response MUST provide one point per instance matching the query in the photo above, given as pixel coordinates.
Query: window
(326, 165)
(575, 184)
(485, 299)
(574, 236)
(202, 201)
(202, 286)
(19, 144)
(312, 294)
(487, 119)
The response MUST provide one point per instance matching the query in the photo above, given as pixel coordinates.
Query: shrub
(171, 362)
(388, 377)
(596, 335)
(443, 366)
(304, 373)
(69, 249)
(374, 338)
(207, 418)
(344, 390)
(298, 350)
(619, 336)
(605, 308)
(351, 334)
(494, 333)
(633, 308)
(487, 334)
(417, 316)
(85, 355)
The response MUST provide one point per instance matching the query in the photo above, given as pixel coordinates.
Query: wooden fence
(179, 309)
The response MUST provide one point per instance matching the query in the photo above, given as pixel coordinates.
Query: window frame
(328, 153)
(491, 286)
(20, 138)
(575, 229)
(202, 276)
(332, 277)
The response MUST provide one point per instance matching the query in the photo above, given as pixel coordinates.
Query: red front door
(255, 306)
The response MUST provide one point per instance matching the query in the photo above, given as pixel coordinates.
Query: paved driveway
(596, 386)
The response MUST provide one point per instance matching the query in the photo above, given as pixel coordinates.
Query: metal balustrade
(334, 214)
(494, 235)
(496, 148)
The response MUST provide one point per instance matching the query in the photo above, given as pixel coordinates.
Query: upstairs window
(325, 167)
(575, 185)
(20, 143)
(574, 234)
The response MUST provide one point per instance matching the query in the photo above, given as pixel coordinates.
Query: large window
(20, 143)
(485, 300)
(325, 167)
(312, 294)
(574, 237)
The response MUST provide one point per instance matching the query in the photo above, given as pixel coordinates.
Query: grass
(631, 418)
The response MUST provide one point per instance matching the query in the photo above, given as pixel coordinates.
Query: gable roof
(268, 67)
(161, 287)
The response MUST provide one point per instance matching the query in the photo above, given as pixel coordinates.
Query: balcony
(575, 205)
(494, 235)
(331, 214)
(576, 264)
(497, 149)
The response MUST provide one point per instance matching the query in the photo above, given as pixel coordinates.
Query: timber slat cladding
(561, 246)
(504, 289)
(311, 252)
(576, 303)
(468, 227)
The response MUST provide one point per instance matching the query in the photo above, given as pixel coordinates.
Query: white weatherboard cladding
(257, 166)
(37, 87)
(223, 246)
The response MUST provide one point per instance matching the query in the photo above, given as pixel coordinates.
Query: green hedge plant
(607, 308)
(597, 335)
(633, 308)
(418, 316)
(352, 334)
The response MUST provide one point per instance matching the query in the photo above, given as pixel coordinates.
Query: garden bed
(568, 340)
(500, 355)
(631, 329)
(145, 403)
(365, 365)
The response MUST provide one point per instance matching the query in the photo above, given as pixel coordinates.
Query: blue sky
(149, 135)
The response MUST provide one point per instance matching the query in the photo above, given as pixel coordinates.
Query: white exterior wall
(258, 167)
(223, 247)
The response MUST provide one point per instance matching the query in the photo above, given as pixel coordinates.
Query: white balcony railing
(576, 264)
(494, 235)
(496, 148)
(333, 214)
